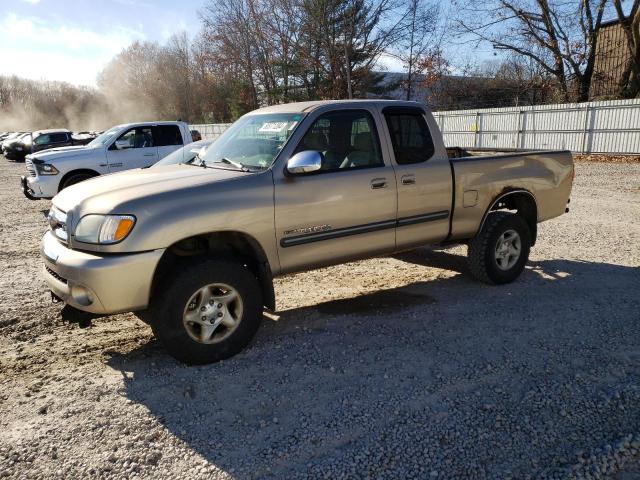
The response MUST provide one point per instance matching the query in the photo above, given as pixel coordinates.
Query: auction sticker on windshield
(275, 127)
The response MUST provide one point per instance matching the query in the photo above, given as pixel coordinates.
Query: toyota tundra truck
(123, 147)
(193, 248)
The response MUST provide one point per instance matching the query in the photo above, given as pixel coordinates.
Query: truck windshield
(253, 141)
(104, 137)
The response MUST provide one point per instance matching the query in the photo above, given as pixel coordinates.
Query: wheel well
(235, 245)
(523, 203)
(70, 174)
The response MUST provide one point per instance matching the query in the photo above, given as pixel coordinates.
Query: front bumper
(26, 190)
(35, 188)
(98, 283)
(15, 154)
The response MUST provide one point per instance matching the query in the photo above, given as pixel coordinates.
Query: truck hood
(103, 194)
(61, 153)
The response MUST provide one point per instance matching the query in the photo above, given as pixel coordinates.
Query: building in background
(612, 59)
(459, 92)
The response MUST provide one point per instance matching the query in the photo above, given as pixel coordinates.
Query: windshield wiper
(238, 165)
(233, 163)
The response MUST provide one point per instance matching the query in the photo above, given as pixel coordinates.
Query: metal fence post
(585, 129)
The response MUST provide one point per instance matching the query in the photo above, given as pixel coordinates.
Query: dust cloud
(29, 105)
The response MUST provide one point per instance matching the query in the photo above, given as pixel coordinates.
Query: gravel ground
(398, 367)
(607, 158)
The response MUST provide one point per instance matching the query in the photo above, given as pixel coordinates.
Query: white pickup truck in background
(123, 147)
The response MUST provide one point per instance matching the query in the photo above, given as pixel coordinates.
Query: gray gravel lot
(398, 367)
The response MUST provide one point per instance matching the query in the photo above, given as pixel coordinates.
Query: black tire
(171, 297)
(143, 316)
(482, 248)
(73, 179)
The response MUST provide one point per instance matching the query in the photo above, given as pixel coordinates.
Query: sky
(72, 40)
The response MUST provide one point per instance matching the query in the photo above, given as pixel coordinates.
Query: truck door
(346, 209)
(59, 140)
(168, 139)
(135, 148)
(423, 178)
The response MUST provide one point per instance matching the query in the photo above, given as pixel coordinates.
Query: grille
(30, 168)
(55, 275)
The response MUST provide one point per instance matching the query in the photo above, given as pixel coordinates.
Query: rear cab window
(410, 135)
(58, 137)
(167, 135)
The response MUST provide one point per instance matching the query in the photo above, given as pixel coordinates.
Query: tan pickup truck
(193, 248)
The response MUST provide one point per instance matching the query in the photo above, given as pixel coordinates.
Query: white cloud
(32, 2)
(33, 48)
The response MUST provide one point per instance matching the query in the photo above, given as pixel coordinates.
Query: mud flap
(73, 315)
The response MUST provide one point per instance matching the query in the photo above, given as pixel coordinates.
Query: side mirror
(304, 162)
(122, 144)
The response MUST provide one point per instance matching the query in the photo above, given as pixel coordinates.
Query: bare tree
(559, 35)
(418, 41)
(228, 31)
(296, 49)
(177, 64)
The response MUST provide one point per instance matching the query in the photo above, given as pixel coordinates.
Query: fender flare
(505, 194)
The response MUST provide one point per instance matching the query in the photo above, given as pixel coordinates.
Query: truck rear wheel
(209, 311)
(500, 251)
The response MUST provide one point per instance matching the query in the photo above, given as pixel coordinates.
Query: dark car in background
(13, 146)
(45, 140)
(10, 137)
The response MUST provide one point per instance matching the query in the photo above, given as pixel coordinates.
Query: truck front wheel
(73, 179)
(500, 251)
(207, 312)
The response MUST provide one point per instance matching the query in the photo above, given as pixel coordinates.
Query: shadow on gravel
(468, 377)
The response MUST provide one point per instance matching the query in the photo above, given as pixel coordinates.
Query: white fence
(210, 131)
(593, 127)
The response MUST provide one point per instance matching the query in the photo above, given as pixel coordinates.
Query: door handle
(379, 183)
(408, 179)
(149, 154)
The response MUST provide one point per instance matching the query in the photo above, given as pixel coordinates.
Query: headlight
(104, 229)
(45, 169)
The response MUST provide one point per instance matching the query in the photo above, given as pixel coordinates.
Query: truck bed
(478, 180)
